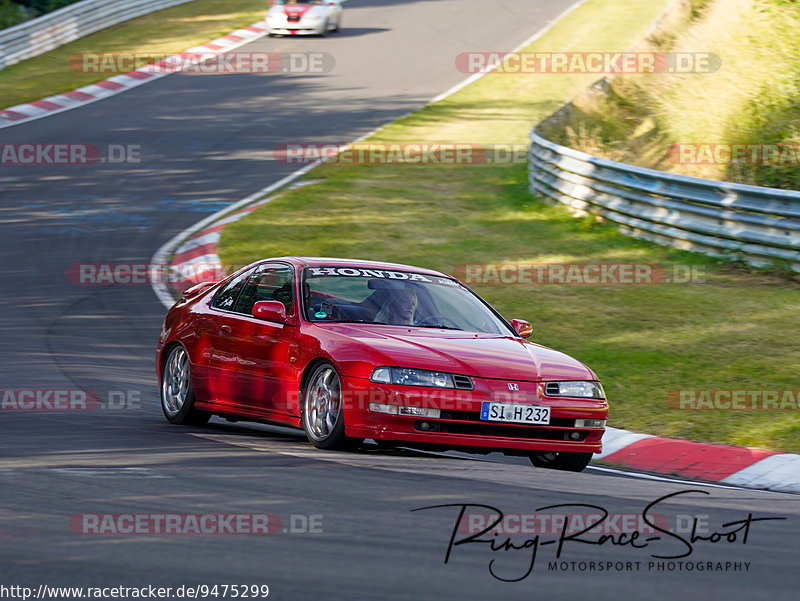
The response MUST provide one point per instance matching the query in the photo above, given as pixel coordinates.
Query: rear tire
(323, 410)
(177, 392)
(570, 462)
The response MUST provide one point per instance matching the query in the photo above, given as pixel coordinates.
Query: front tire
(177, 392)
(323, 410)
(570, 462)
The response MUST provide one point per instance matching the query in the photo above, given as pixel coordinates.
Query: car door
(252, 355)
(221, 380)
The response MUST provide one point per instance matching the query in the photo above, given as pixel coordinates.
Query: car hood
(468, 353)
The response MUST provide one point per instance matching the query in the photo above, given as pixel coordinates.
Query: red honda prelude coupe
(350, 350)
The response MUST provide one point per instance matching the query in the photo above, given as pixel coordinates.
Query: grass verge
(164, 32)
(736, 330)
(753, 99)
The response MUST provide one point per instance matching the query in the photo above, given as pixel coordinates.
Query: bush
(37, 7)
(56, 4)
(14, 13)
(11, 14)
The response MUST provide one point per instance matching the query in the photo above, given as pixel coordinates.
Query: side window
(226, 297)
(270, 282)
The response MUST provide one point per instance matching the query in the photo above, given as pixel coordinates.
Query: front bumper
(459, 425)
(302, 27)
(299, 31)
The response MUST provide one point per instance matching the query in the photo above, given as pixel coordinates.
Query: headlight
(412, 377)
(583, 390)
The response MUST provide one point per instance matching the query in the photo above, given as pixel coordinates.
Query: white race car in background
(304, 17)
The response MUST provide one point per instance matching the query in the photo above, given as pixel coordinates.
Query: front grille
(463, 382)
(551, 389)
(488, 429)
(293, 19)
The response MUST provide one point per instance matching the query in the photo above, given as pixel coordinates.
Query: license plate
(515, 413)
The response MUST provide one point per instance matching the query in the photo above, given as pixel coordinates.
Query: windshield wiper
(385, 323)
(442, 327)
(349, 321)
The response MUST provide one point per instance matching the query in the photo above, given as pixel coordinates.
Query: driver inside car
(399, 308)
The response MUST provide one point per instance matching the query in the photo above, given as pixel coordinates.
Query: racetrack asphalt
(203, 143)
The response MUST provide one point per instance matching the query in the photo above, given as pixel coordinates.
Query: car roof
(354, 263)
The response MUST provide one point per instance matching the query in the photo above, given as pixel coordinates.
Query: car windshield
(381, 296)
(299, 2)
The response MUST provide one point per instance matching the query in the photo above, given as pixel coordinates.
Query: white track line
(476, 76)
(720, 484)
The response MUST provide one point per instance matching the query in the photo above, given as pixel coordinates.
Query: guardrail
(759, 225)
(70, 23)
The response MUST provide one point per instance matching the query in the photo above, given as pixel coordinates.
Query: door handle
(224, 330)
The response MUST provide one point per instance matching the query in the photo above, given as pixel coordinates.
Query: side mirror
(270, 311)
(522, 327)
